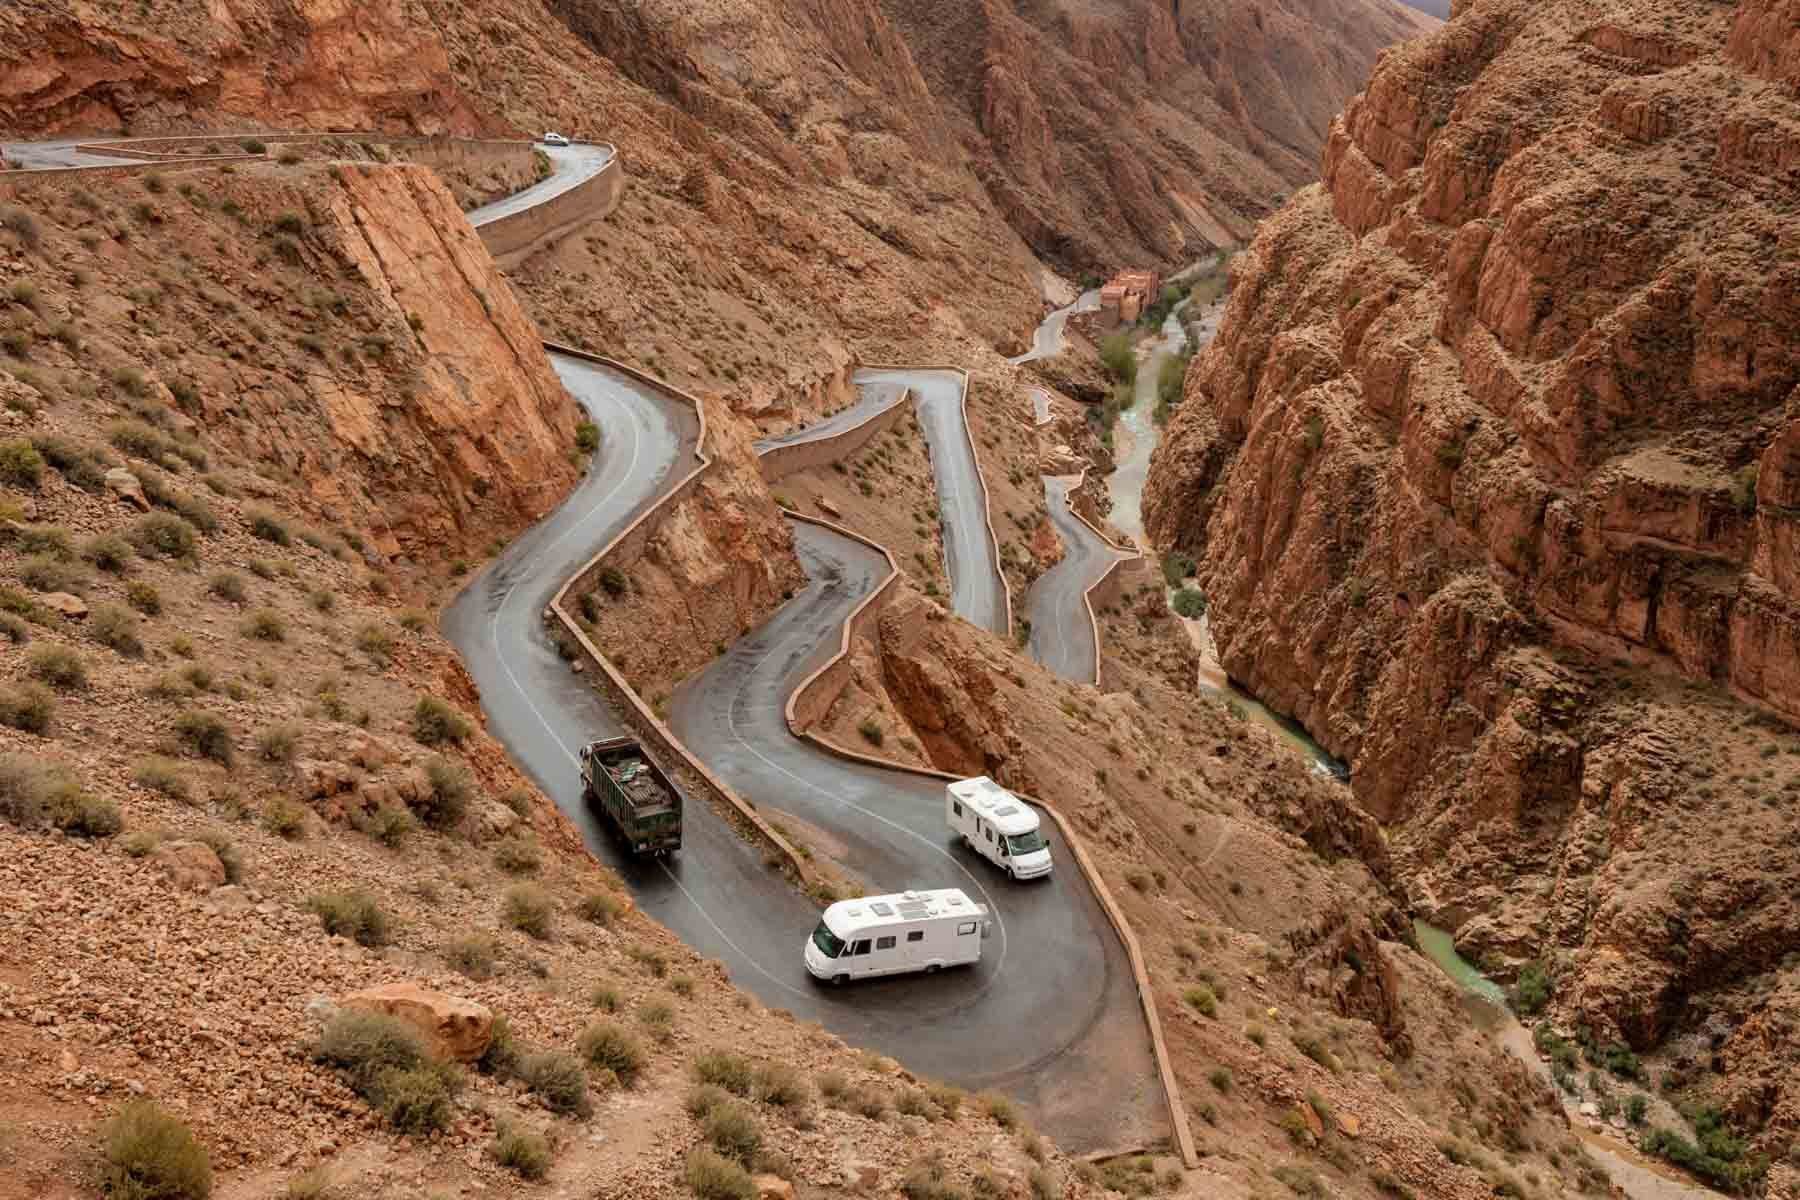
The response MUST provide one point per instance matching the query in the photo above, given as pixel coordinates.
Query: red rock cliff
(1492, 472)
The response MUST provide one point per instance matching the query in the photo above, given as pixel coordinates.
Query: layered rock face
(1139, 130)
(1491, 473)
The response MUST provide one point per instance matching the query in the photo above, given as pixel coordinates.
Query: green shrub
(732, 1130)
(1637, 1106)
(1533, 989)
(116, 627)
(871, 731)
(1118, 357)
(781, 1085)
(587, 437)
(928, 1179)
(529, 909)
(58, 666)
(613, 580)
(108, 552)
(267, 526)
(722, 1068)
(162, 775)
(150, 1155)
(48, 573)
(278, 743)
(51, 540)
(608, 1046)
(1001, 1109)
(33, 791)
(503, 1054)
(205, 735)
(1202, 1000)
(139, 440)
(265, 625)
(413, 621)
(602, 908)
(284, 818)
(145, 598)
(1221, 1080)
(163, 535)
(375, 641)
(227, 585)
(559, 1080)
(436, 722)
(419, 1100)
(448, 798)
(14, 629)
(28, 708)
(79, 814)
(1189, 603)
(525, 1154)
(21, 465)
(703, 1098)
(80, 466)
(391, 825)
(518, 856)
(352, 914)
(473, 956)
(711, 1176)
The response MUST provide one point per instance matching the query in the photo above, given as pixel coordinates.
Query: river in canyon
(1134, 438)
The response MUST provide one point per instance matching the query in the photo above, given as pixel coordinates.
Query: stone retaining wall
(512, 239)
(778, 462)
(648, 727)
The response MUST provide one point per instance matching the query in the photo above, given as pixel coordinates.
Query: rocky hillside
(812, 180)
(1490, 475)
(1138, 130)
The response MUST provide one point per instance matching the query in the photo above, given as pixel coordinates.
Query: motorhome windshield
(1026, 843)
(829, 943)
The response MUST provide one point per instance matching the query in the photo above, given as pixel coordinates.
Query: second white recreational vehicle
(888, 935)
(999, 826)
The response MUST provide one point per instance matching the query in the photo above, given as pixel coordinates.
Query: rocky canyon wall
(1491, 475)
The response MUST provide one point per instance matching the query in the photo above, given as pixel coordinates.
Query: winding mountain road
(570, 166)
(977, 590)
(1062, 635)
(1051, 1013)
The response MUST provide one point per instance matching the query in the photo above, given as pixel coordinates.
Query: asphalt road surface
(977, 592)
(1049, 1014)
(1062, 637)
(61, 154)
(1046, 342)
(870, 399)
(570, 165)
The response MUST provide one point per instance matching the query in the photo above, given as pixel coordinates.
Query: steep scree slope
(1491, 472)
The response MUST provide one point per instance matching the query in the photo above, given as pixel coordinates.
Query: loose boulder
(64, 604)
(126, 487)
(191, 866)
(454, 1027)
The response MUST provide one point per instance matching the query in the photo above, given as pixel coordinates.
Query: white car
(554, 139)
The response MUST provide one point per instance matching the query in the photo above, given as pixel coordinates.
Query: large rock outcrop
(1491, 475)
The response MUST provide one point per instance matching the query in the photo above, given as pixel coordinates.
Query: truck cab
(998, 826)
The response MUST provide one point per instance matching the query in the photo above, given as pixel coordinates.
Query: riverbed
(1134, 438)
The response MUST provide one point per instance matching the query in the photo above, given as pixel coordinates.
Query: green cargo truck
(643, 805)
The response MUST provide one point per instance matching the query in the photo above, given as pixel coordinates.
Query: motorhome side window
(966, 928)
(957, 807)
(917, 935)
(886, 943)
(861, 947)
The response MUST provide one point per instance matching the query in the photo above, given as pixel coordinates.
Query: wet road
(977, 592)
(870, 399)
(1049, 1014)
(60, 154)
(570, 165)
(1046, 342)
(1062, 636)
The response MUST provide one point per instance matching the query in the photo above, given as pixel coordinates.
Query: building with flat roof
(1126, 296)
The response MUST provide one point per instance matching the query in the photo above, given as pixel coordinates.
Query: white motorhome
(888, 935)
(998, 826)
